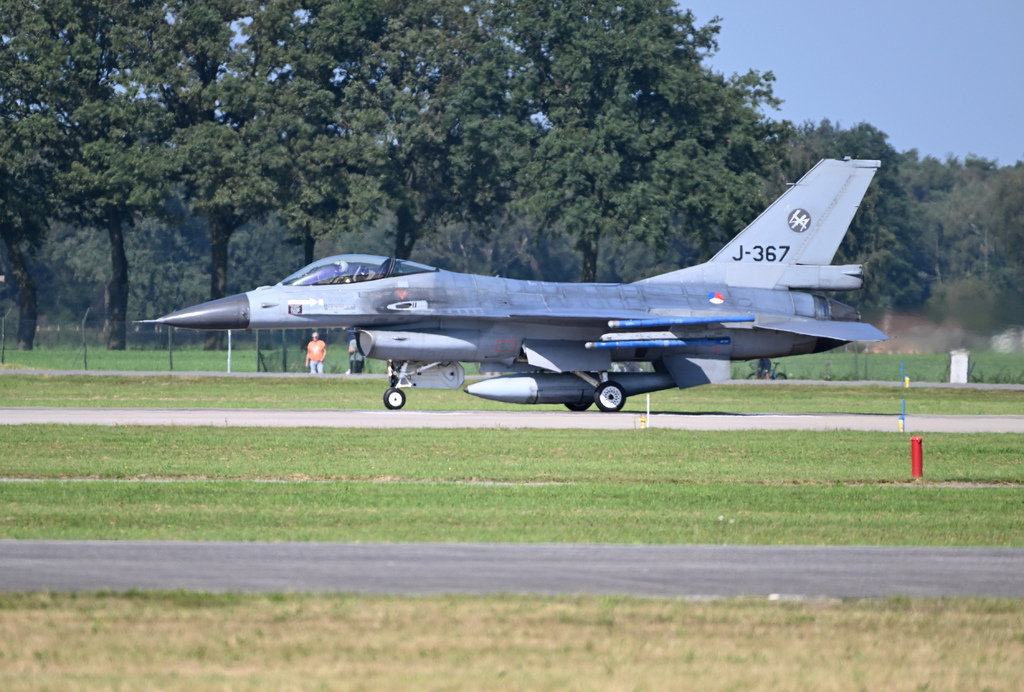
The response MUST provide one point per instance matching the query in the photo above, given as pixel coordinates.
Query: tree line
(146, 148)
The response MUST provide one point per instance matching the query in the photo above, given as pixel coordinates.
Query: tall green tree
(73, 65)
(308, 54)
(432, 89)
(202, 70)
(634, 136)
(33, 143)
(1009, 201)
(1008, 207)
(24, 191)
(114, 131)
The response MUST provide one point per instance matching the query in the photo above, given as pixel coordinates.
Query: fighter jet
(557, 342)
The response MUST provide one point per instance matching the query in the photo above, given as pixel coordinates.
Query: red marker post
(916, 457)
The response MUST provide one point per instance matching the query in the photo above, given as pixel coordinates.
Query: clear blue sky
(940, 76)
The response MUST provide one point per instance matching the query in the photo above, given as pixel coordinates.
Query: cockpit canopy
(347, 269)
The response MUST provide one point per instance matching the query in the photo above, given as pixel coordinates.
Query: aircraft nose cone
(225, 313)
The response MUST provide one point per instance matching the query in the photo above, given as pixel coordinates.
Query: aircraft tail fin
(792, 243)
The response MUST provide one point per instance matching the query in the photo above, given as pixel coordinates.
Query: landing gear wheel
(394, 398)
(579, 406)
(609, 397)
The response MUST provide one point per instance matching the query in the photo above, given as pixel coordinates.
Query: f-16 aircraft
(558, 341)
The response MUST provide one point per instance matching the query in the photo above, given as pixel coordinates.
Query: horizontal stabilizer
(840, 331)
(847, 277)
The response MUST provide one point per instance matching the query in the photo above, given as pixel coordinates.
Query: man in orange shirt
(316, 351)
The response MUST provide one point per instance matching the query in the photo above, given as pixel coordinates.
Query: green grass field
(986, 366)
(186, 642)
(653, 486)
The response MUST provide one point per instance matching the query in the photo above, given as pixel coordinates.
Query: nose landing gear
(394, 398)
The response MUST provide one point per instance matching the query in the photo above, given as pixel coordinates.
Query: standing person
(355, 358)
(316, 351)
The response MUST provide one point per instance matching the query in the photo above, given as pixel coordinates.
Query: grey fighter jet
(558, 341)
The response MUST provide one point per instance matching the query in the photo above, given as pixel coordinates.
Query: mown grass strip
(345, 393)
(571, 456)
(183, 641)
(574, 513)
(656, 486)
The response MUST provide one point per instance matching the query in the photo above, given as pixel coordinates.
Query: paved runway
(676, 571)
(592, 420)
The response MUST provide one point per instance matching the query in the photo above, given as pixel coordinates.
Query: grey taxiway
(334, 418)
(418, 569)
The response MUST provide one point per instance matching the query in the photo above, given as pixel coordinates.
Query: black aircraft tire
(394, 399)
(609, 397)
(579, 406)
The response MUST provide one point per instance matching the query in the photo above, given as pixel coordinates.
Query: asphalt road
(593, 420)
(674, 571)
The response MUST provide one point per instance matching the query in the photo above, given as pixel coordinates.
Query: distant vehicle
(559, 340)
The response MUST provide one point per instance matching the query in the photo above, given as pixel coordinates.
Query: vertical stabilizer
(810, 219)
(792, 243)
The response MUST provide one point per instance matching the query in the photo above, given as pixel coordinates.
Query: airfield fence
(158, 348)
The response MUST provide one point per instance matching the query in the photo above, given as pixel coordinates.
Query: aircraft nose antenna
(225, 313)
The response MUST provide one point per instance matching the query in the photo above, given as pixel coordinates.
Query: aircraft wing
(621, 319)
(842, 331)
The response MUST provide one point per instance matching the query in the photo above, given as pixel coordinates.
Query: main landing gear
(581, 406)
(609, 395)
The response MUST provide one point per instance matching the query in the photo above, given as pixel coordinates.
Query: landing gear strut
(422, 374)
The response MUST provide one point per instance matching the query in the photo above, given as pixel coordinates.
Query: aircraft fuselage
(747, 302)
